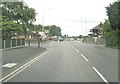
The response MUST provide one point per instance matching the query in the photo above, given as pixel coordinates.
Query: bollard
(16, 42)
(20, 42)
(29, 43)
(38, 43)
(11, 43)
(4, 44)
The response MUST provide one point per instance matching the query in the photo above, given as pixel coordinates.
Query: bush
(112, 38)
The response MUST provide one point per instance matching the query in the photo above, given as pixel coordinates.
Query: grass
(113, 46)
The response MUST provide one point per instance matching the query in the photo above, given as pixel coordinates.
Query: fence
(11, 43)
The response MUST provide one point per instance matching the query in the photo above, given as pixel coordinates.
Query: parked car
(60, 39)
(72, 39)
(55, 38)
(78, 39)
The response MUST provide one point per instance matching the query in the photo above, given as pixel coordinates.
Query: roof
(96, 27)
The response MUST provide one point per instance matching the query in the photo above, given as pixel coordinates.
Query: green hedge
(112, 38)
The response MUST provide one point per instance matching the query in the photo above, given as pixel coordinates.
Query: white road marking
(84, 57)
(17, 71)
(21, 70)
(77, 50)
(9, 65)
(101, 75)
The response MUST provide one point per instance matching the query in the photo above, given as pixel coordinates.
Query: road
(19, 56)
(70, 61)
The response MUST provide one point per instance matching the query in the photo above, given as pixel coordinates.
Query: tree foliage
(18, 17)
(47, 27)
(113, 14)
(19, 14)
(9, 28)
(106, 27)
(55, 31)
(38, 27)
(18, 11)
(111, 27)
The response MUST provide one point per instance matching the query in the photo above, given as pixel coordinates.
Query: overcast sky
(74, 17)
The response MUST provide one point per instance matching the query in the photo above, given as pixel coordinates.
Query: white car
(71, 39)
(60, 39)
(78, 39)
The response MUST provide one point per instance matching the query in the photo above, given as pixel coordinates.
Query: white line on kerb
(84, 57)
(77, 50)
(12, 74)
(100, 75)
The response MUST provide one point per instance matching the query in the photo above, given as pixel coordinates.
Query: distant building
(36, 35)
(96, 31)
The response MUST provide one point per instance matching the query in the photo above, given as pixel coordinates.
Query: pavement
(71, 61)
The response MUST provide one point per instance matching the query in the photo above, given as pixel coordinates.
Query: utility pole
(43, 21)
(85, 28)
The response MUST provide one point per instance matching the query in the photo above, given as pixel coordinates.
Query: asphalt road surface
(19, 56)
(70, 61)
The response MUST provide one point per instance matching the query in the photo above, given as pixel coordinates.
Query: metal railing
(12, 43)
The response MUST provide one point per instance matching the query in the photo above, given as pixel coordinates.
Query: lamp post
(85, 23)
(43, 19)
(85, 28)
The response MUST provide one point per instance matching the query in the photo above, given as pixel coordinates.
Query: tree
(111, 28)
(55, 31)
(111, 35)
(38, 27)
(106, 27)
(19, 12)
(9, 28)
(46, 27)
(112, 12)
(80, 36)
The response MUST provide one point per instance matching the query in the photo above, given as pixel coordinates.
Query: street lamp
(85, 28)
(43, 21)
(85, 23)
(44, 18)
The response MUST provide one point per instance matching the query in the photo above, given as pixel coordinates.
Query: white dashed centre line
(77, 50)
(100, 75)
(84, 57)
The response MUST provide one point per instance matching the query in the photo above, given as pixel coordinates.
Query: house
(96, 31)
